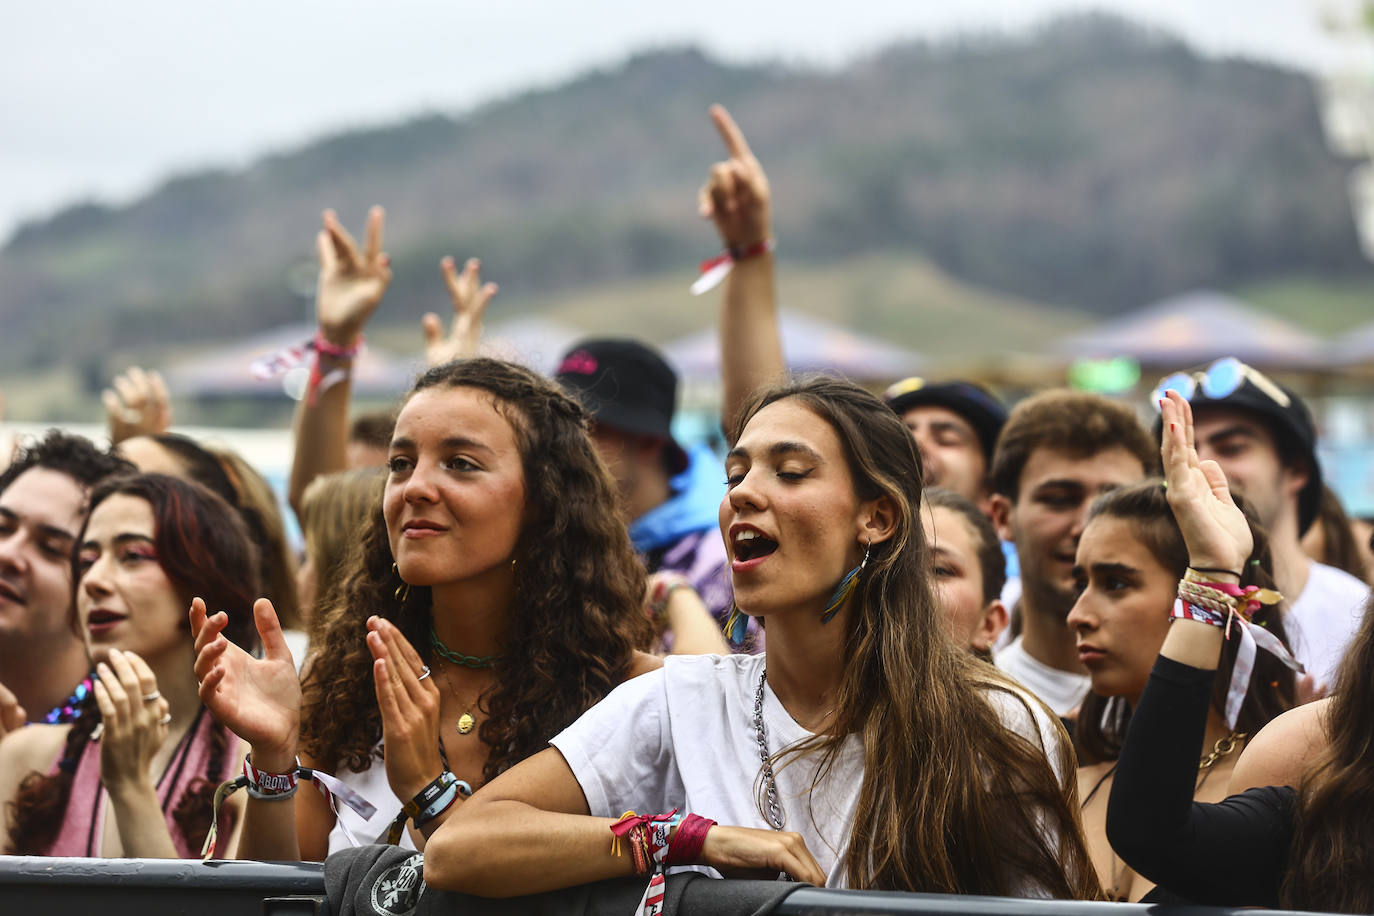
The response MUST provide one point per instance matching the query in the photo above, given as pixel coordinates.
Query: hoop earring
(845, 589)
(403, 590)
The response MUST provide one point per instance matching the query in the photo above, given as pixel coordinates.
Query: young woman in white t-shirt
(864, 750)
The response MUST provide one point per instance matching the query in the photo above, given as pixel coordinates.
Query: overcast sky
(101, 99)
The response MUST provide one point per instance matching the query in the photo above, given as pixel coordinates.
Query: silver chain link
(775, 818)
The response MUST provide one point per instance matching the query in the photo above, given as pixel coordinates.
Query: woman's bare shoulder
(643, 663)
(35, 747)
(1283, 749)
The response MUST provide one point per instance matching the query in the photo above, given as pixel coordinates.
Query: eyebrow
(777, 450)
(1236, 429)
(962, 429)
(1107, 569)
(120, 539)
(49, 531)
(448, 443)
(1066, 483)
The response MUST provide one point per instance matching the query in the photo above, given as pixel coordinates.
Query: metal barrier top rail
(138, 887)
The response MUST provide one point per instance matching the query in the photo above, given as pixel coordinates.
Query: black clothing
(1233, 853)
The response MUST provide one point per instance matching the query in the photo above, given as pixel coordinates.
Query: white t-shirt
(1061, 691)
(371, 784)
(1324, 618)
(684, 737)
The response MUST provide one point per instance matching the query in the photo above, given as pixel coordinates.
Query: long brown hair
(576, 618)
(952, 800)
(203, 547)
(1102, 720)
(1332, 867)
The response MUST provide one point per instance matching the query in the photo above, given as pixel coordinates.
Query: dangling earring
(403, 590)
(736, 625)
(845, 588)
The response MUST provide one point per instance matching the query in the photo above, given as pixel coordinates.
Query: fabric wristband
(714, 270)
(685, 847)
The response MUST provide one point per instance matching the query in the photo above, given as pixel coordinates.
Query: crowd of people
(915, 641)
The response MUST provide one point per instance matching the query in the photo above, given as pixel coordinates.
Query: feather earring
(845, 589)
(736, 625)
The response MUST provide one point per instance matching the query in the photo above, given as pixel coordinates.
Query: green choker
(458, 658)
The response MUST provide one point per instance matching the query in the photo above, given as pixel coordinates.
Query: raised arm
(470, 297)
(351, 285)
(137, 404)
(737, 199)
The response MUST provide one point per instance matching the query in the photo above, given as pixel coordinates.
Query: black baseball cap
(1228, 383)
(972, 402)
(627, 386)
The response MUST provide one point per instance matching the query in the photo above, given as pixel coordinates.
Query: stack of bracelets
(430, 802)
(654, 845)
(1218, 603)
(1223, 604)
(266, 786)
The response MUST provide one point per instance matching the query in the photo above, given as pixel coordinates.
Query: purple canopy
(1197, 327)
(809, 345)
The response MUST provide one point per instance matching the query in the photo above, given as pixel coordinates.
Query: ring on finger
(166, 719)
(424, 672)
(150, 697)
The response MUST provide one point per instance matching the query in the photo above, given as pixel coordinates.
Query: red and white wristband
(714, 270)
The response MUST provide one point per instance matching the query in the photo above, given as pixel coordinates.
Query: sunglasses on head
(1220, 380)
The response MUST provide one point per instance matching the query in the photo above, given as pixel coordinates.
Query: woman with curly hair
(895, 758)
(498, 598)
(136, 773)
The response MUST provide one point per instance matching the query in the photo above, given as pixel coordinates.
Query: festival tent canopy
(809, 345)
(1195, 328)
(1355, 346)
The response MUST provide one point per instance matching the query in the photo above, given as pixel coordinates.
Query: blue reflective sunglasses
(1219, 380)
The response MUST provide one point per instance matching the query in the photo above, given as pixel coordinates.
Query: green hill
(1092, 165)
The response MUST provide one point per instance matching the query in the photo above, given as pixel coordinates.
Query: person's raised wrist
(274, 760)
(1216, 570)
(343, 336)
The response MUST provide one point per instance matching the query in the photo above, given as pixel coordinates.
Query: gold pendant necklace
(466, 722)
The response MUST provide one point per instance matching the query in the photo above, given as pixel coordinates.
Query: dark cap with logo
(972, 402)
(626, 386)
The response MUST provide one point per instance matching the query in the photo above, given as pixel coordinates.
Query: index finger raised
(730, 134)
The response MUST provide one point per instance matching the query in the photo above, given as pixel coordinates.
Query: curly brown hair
(576, 617)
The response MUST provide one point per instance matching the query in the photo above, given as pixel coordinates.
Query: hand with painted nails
(410, 710)
(470, 297)
(135, 720)
(736, 196)
(1214, 528)
(137, 404)
(259, 699)
(351, 282)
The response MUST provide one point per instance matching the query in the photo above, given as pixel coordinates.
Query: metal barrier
(141, 887)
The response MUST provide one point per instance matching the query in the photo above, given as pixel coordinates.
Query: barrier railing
(141, 887)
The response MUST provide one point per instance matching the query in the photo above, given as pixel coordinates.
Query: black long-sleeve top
(1233, 853)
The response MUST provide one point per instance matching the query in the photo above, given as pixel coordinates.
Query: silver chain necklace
(774, 813)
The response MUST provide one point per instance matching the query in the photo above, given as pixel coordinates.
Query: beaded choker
(457, 658)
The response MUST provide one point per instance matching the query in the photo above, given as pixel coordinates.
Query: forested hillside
(1090, 164)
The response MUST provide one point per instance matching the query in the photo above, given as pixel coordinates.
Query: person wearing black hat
(1262, 435)
(671, 500)
(955, 425)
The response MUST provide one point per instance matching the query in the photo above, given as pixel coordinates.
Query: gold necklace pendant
(465, 723)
